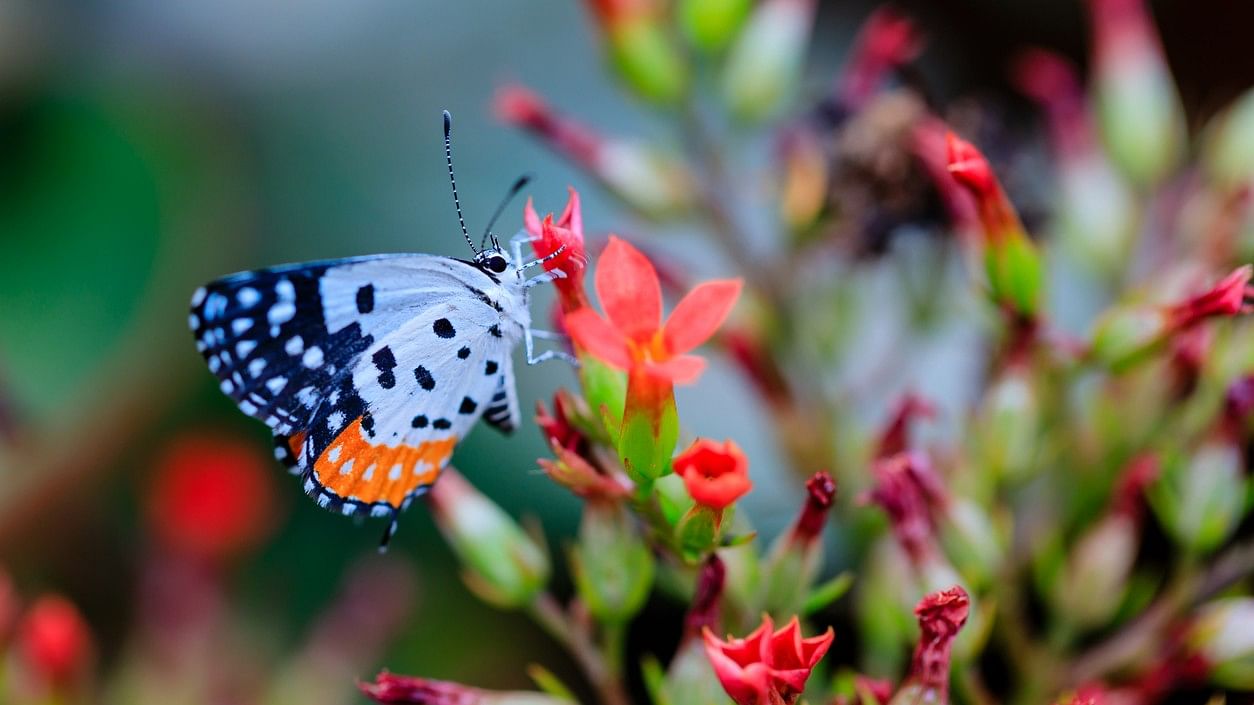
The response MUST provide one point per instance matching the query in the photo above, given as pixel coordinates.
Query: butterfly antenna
(448, 158)
(519, 184)
(388, 533)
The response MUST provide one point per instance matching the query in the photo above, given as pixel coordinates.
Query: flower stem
(604, 677)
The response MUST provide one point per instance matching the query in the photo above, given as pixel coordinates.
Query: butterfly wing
(297, 346)
(407, 402)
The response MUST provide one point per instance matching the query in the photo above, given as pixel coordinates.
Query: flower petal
(684, 369)
(602, 340)
(572, 218)
(629, 290)
(699, 314)
(531, 219)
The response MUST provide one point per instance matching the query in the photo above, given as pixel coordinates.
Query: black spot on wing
(420, 421)
(463, 353)
(441, 424)
(425, 380)
(490, 368)
(444, 328)
(365, 299)
(495, 330)
(385, 363)
(468, 406)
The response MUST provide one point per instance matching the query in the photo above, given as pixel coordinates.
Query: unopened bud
(1201, 499)
(794, 562)
(711, 24)
(612, 565)
(501, 562)
(1223, 634)
(765, 62)
(1141, 117)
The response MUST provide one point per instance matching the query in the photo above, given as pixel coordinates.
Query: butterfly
(369, 370)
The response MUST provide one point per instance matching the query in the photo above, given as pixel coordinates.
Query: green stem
(548, 613)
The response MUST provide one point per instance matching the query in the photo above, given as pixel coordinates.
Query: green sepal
(648, 61)
(711, 24)
(827, 593)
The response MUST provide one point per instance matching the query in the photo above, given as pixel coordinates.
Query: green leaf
(827, 593)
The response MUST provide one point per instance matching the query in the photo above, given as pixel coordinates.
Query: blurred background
(148, 146)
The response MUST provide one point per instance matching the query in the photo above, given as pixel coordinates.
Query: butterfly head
(492, 259)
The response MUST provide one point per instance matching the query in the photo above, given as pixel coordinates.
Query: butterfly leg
(529, 337)
(544, 278)
(388, 533)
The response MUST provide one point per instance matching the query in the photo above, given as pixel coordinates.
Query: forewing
(278, 339)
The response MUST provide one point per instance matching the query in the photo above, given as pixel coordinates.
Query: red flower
(55, 642)
(634, 338)
(716, 475)
(212, 498)
(566, 231)
(971, 169)
(941, 615)
(766, 668)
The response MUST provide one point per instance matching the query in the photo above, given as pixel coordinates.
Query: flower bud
(1127, 335)
(55, 644)
(796, 558)
(969, 538)
(1012, 265)
(392, 689)
(1138, 109)
(895, 436)
(1201, 499)
(1097, 214)
(886, 41)
(612, 565)
(765, 62)
(501, 563)
(711, 24)
(655, 182)
(1223, 634)
(1228, 145)
(641, 49)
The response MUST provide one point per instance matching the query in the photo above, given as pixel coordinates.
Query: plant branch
(548, 613)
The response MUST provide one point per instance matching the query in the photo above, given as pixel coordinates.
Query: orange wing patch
(355, 469)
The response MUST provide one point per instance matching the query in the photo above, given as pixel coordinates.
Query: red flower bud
(212, 498)
(55, 642)
(820, 492)
(887, 40)
(715, 474)
(766, 668)
(1227, 298)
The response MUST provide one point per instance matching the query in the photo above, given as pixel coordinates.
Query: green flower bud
(500, 562)
(711, 24)
(612, 565)
(766, 60)
(1223, 634)
(1201, 500)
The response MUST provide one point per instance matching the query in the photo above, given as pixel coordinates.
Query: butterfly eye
(497, 264)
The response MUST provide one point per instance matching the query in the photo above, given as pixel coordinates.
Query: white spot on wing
(281, 312)
(334, 454)
(256, 366)
(198, 295)
(244, 347)
(285, 290)
(193, 321)
(335, 421)
(241, 324)
(347, 467)
(248, 297)
(276, 384)
(395, 472)
(294, 345)
(369, 474)
(313, 358)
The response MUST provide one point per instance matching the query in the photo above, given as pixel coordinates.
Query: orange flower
(715, 474)
(634, 337)
(766, 668)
